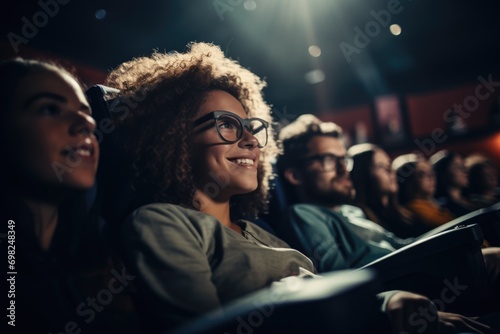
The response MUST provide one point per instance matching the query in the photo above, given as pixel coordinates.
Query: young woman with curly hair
(202, 146)
(172, 87)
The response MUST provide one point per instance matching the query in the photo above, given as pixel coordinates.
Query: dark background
(443, 43)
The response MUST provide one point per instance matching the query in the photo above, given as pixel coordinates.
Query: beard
(331, 195)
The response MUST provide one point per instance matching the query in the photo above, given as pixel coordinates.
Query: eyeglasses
(230, 126)
(330, 162)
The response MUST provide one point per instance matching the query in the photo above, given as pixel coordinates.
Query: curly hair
(168, 90)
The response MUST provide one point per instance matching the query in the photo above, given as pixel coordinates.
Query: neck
(220, 209)
(45, 216)
(384, 200)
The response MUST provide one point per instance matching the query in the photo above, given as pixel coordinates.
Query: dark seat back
(341, 302)
(429, 265)
(487, 218)
(114, 195)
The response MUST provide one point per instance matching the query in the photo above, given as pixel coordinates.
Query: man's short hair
(295, 136)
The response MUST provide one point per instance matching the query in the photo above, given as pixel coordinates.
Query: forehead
(424, 165)
(381, 156)
(47, 82)
(220, 100)
(326, 144)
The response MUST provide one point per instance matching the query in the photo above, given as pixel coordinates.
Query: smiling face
(51, 138)
(223, 169)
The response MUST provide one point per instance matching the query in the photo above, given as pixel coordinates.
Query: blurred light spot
(314, 51)
(315, 76)
(100, 14)
(395, 29)
(250, 5)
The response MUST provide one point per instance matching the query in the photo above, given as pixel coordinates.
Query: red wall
(87, 74)
(426, 113)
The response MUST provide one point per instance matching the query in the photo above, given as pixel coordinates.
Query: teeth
(249, 162)
(83, 152)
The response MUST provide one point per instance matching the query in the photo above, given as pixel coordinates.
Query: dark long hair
(441, 162)
(392, 217)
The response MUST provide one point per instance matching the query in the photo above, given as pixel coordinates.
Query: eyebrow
(53, 96)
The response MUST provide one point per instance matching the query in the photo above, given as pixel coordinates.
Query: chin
(246, 189)
(80, 183)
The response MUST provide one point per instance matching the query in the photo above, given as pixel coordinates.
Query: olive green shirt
(187, 263)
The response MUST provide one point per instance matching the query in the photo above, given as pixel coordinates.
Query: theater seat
(431, 264)
(341, 302)
(487, 218)
(114, 195)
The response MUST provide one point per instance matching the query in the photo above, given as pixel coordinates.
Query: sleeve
(325, 238)
(169, 257)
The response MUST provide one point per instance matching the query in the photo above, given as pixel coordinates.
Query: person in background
(203, 147)
(321, 220)
(50, 164)
(417, 187)
(376, 190)
(451, 182)
(483, 187)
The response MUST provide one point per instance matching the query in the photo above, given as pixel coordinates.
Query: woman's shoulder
(172, 217)
(165, 209)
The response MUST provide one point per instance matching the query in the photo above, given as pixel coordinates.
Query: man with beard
(315, 172)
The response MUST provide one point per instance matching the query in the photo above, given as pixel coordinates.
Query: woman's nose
(248, 140)
(81, 122)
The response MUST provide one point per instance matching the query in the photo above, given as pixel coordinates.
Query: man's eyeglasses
(230, 126)
(331, 163)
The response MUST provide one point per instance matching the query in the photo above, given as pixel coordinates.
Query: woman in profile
(377, 190)
(417, 187)
(51, 162)
(203, 145)
(451, 182)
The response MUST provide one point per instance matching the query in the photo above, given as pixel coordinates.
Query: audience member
(451, 182)
(376, 190)
(483, 188)
(417, 187)
(51, 161)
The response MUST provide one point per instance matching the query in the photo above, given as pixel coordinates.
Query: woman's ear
(293, 176)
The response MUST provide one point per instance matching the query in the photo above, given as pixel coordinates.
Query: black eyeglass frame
(244, 124)
(347, 162)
